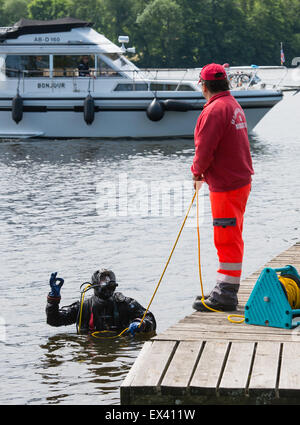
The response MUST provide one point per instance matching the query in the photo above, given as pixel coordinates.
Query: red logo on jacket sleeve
(239, 119)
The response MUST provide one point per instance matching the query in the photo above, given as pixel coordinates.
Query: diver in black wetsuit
(105, 310)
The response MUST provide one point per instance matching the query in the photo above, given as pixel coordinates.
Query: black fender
(17, 108)
(155, 110)
(89, 110)
(176, 105)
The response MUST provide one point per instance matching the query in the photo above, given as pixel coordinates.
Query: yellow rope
(236, 321)
(199, 257)
(95, 334)
(292, 291)
(170, 256)
(81, 306)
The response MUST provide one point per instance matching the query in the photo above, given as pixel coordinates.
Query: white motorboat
(44, 92)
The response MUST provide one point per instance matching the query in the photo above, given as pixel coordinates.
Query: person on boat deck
(84, 67)
(104, 310)
(38, 66)
(223, 160)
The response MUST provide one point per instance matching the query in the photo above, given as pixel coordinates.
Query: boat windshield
(120, 63)
(106, 67)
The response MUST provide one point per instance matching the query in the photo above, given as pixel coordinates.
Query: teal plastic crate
(268, 304)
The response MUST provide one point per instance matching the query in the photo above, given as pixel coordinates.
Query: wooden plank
(234, 328)
(210, 366)
(265, 367)
(236, 372)
(182, 365)
(289, 381)
(154, 364)
(225, 336)
(193, 327)
(136, 367)
(138, 364)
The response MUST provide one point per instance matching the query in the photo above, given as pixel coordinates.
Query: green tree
(181, 33)
(162, 21)
(2, 18)
(48, 9)
(87, 10)
(12, 11)
(269, 23)
(118, 17)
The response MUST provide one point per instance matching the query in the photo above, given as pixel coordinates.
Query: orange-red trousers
(228, 210)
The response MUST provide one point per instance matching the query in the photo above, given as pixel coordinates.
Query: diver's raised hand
(55, 288)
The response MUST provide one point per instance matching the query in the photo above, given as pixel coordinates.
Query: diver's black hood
(105, 283)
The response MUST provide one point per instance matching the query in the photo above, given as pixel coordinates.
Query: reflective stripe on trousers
(228, 210)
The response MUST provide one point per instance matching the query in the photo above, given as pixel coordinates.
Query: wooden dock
(205, 359)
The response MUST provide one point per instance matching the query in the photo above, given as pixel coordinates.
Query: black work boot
(223, 298)
(199, 297)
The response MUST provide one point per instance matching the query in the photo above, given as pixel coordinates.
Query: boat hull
(127, 118)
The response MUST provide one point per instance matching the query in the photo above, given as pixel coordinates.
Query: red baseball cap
(212, 72)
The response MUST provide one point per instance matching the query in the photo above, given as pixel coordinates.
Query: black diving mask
(105, 289)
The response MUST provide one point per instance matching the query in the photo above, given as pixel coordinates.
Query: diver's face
(105, 288)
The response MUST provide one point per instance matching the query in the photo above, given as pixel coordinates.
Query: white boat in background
(43, 93)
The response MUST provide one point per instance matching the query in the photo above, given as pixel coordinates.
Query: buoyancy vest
(99, 314)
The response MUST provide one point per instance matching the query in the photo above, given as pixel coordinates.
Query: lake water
(74, 206)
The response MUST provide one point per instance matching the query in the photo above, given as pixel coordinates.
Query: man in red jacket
(223, 160)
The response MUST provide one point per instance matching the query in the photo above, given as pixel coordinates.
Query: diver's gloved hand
(55, 289)
(135, 327)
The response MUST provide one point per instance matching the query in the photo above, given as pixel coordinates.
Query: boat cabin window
(131, 87)
(170, 87)
(73, 66)
(30, 66)
(63, 66)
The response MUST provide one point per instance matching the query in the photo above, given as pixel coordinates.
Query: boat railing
(257, 77)
(240, 77)
(129, 79)
(243, 78)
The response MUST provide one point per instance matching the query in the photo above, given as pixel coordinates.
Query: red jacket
(222, 150)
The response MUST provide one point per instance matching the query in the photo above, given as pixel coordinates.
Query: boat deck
(206, 359)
